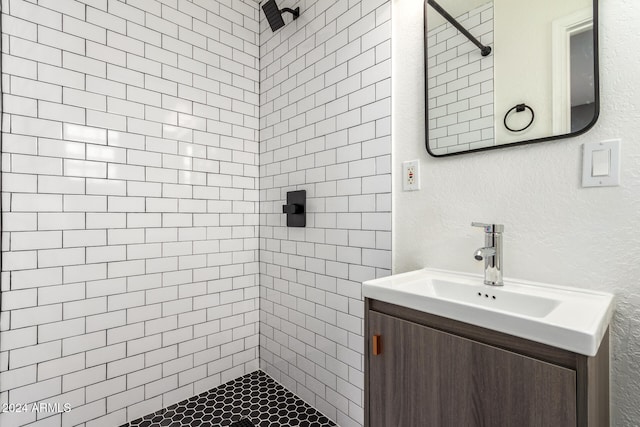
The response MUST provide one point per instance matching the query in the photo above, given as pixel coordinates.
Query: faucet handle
(489, 228)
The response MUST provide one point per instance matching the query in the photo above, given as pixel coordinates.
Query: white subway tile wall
(461, 107)
(325, 127)
(130, 204)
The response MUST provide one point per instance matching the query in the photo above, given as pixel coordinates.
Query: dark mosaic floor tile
(254, 399)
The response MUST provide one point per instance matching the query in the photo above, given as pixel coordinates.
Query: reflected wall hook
(519, 109)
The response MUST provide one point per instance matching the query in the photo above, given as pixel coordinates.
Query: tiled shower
(147, 148)
(325, 127)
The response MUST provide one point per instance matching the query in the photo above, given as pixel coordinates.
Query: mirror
(506, 72)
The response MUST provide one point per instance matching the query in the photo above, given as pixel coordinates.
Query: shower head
(274, 14)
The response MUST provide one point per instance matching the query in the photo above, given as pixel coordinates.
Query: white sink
(568, 318)
(493, 299)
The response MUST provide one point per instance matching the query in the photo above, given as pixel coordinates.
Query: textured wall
(555, 231)
(129, 190)
(325, 127)
(460, 82)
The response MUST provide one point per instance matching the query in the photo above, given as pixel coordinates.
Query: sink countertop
(569, 318)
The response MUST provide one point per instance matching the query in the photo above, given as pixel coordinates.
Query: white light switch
(601, 164)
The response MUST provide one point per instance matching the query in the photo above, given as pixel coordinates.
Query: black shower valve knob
(293, 208)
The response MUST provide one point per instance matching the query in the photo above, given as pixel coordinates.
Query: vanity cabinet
(425, 370)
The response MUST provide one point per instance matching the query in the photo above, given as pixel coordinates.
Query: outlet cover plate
(411, 175)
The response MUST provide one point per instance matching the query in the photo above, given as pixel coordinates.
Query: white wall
(555, 231)
(325, 127)
(129, 197)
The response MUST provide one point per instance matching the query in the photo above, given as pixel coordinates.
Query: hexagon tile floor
(254, 400)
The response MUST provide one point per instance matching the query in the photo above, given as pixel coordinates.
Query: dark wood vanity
(426, 370)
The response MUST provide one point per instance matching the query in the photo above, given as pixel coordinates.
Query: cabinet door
(424, 377)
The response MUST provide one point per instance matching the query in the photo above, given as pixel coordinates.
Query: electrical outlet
(411, 175)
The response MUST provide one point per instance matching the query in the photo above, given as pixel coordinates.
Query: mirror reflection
(508, 71)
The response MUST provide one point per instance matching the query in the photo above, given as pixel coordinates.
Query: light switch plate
(601, 164)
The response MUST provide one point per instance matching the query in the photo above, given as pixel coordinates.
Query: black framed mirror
(508, 72)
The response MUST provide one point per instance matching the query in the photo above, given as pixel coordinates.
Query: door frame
(561, 31)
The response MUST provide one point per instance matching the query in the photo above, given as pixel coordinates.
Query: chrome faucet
(491, 253)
